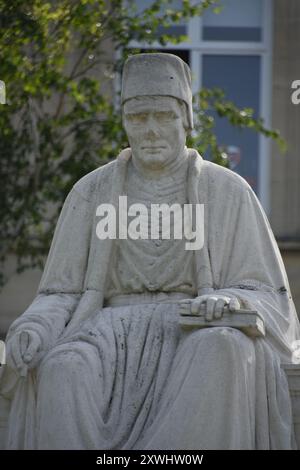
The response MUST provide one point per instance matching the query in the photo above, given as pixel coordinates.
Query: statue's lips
(153, 148)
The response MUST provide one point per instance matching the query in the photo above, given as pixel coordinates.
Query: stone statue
(99, 359)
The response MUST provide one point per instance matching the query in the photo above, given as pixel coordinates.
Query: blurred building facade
(251, 50)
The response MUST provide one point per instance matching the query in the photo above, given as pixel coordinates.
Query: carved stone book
(248, 321)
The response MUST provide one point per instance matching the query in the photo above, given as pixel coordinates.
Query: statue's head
(157, 107)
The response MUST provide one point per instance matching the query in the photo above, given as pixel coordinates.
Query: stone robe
(118, 372)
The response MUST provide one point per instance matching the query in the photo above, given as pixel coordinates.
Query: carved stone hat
(157, 74)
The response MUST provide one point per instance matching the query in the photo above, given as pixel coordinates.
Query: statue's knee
(222, 341)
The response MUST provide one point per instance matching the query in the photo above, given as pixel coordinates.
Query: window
(240, 20)
(232, 50)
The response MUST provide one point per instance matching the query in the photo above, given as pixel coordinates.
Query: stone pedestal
(293, 375)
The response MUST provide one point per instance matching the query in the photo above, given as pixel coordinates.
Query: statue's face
(155, 129)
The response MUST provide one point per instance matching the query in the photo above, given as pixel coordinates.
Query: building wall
(285, 169)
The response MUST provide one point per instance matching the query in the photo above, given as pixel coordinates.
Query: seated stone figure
(99, 359)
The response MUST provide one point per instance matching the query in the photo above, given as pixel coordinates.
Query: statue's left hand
(23, 350)
(211, 306)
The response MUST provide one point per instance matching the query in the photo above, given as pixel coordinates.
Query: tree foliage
(60, 121)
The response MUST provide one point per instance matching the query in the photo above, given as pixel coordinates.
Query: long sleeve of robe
(240, 258)
(53, 306)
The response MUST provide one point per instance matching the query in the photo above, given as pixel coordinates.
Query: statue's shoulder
(223, 179)
(88, 184)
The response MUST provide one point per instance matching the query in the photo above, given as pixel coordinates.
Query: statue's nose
(152, 128)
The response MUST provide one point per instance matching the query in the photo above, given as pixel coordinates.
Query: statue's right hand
(22, 350)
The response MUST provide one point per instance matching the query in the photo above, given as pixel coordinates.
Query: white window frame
(198, 47)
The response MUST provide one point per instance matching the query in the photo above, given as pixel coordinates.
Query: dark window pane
(214, 33)
(238, 76)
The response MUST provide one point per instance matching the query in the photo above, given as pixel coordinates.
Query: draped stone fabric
(124, 375)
